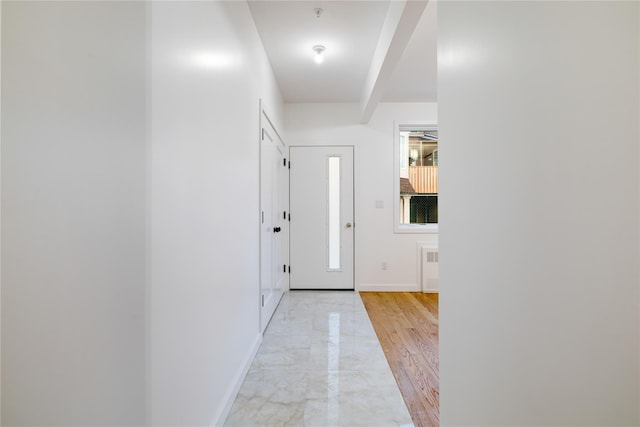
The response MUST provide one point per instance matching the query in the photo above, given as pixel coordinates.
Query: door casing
(274, 228)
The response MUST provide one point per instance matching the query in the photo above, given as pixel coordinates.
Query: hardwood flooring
(407, 326)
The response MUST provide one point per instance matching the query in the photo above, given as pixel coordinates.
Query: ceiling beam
(400, 23)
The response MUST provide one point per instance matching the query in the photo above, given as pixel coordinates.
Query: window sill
(416, 229)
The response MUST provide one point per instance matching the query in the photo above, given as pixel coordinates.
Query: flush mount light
(319, 50)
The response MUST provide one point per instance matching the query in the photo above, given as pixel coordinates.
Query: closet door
(273, 224)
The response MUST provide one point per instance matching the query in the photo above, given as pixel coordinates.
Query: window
(416, 179)
(333, 206)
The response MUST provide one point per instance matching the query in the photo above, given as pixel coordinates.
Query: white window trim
(397, 227)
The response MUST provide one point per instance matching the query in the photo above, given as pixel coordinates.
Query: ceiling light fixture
(319, 50)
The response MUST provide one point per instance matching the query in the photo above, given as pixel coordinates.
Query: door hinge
(284, 162)
(284, 268)
(289, 269)
(263, 300)
(289, 217)
(262, 216)
(284, 215)
(263, 134)
(289, 164)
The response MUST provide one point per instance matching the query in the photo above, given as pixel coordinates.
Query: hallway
(133, 223)
(320, 364)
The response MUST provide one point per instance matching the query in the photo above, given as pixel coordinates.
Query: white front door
(273, 226)
(322, 236)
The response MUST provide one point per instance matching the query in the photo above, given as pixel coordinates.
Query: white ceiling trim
(400, 23)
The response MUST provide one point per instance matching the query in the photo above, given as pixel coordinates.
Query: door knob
(348, 225)
(276, 229)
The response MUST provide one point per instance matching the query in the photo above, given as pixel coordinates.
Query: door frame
(283, 187)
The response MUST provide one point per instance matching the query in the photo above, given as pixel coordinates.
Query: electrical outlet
(379, 204)
(383, 265)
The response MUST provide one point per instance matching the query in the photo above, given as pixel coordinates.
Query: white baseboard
(431, 291)
(407, 287)
(231, 394)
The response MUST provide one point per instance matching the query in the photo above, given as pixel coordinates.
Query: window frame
(407, 228)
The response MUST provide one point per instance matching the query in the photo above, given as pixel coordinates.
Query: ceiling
(350, 31)
(415, 77)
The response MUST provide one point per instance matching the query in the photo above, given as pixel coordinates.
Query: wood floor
(407, 326)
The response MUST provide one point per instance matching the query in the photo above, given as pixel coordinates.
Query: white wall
(538, 108)
(0, 213)
(376, 242)
(122, 119)
(73, 213)
(208, 72)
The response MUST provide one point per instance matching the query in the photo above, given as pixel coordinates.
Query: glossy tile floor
(320, 364)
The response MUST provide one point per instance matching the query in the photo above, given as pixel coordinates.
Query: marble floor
(320, 364)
